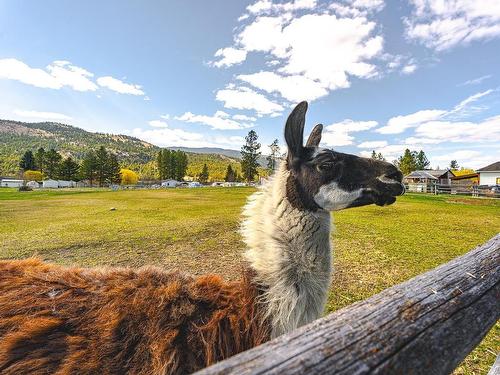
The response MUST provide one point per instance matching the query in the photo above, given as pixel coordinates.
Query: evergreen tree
(421, 160)
(272, 159)
(88, 168)
(203, 176)
(378, 156)
(182, 165)
(250, 153)
(230, 174)
(407, 162)
(40, 159)
(69, 169)
(27, 162)
(52, 160)
(113, 175)
(159, 163)
(101, 165)
(454, 164)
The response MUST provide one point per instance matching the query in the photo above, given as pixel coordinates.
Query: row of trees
(98, 167)
(172, 164)
(49, 164)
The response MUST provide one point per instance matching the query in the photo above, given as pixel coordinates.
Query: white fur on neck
(291, 253)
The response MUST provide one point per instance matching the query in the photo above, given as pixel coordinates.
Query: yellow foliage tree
(33, 176)
(128, 177)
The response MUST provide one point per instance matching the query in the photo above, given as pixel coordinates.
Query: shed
(490, 175)
(8, 182)
(33, 184)
(170, 183)
(50, 184)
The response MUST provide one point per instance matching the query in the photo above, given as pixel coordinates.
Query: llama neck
(290, 252)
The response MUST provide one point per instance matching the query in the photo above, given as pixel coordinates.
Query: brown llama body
(57, 320)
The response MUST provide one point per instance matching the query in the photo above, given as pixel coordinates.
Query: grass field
(196, 230)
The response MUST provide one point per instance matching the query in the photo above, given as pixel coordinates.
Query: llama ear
(315, 136)
(294, 132)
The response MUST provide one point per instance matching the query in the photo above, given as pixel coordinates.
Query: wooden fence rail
(426, 325)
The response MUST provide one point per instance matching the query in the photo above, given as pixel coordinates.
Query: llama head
(321, 178)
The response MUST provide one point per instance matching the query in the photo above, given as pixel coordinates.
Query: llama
(59, 320)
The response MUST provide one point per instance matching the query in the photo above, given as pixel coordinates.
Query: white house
(490, 175)
(170, 183)
(51, 184)
(9, 182)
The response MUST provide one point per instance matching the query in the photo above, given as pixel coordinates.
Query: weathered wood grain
(426, 325)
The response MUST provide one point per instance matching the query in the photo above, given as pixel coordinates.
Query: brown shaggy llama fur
(57, 320)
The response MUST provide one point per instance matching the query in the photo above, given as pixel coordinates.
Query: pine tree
(88, 167)
(159, 163)
(203, 176)
(454, 164)
(230, 174)
(40, 159)
(113, 175)
(69, 169)
(182, 165)
(272, 159)
(249, 156)
(52, 160)
(378, 156)
(27, 162)
(421, 160)
(407, 163)
(101, 165)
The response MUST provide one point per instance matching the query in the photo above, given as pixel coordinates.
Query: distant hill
(17, 137)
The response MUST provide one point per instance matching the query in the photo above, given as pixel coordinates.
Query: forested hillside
(17, 137)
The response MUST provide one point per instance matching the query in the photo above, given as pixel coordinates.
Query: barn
(490, 175)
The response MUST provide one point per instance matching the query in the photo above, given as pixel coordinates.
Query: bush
(25, 188)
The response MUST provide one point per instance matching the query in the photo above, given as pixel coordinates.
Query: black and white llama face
(325, 179)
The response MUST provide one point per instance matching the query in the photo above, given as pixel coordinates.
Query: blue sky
(416, 74)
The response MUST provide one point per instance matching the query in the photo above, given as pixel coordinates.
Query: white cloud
(220, 120)
(399, 124)
(19, 71)
(229, 56)
(465, 158)
(443, 25)
(267, 6)
(119, 86)
(460, 107)
(165, 117)
(487, 130)
(158, 124)
(57, 75)
(475, 81)
(61, 74)
(373, 144)
(244, 118)
(294, 87)
(338, 134)
(42, 115)
(245, 98)
(177, 137)
(317, 52)
(389, 152)
(73, 76)
(408, 69)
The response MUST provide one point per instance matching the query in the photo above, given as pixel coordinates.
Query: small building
(194, 184)
(170, 183)
(33, 184)
(50, 184)
(490, 175)
(9, 182)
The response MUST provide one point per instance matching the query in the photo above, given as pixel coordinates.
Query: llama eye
(325, 166)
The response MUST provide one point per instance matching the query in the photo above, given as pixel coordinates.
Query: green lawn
(196, 230)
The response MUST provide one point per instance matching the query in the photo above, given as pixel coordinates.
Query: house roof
(495, 167)
(439, 172)
(421, 174)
